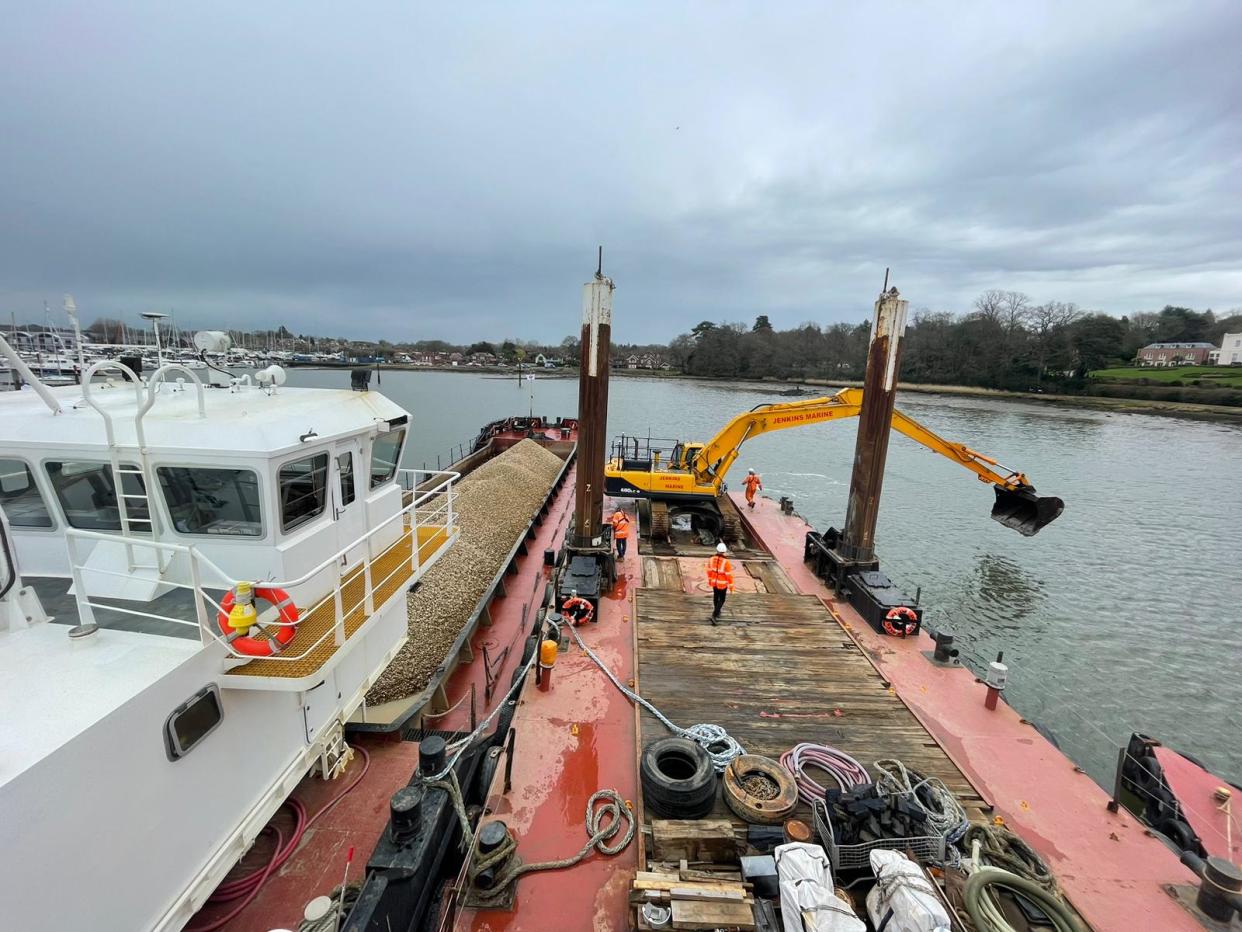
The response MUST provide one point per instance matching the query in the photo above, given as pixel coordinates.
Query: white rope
(947, 819)
(720, 746)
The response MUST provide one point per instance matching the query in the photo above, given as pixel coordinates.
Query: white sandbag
(901, 888)
(808, 904)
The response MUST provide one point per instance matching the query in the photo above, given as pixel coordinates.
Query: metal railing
(429, 507)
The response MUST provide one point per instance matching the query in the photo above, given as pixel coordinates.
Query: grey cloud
(402, 171)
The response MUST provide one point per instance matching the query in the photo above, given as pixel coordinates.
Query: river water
(1121, 616)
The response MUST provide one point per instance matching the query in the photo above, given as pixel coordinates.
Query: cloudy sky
(400, 170)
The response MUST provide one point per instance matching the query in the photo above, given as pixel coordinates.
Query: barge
(560, 831)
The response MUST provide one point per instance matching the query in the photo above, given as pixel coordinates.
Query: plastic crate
(926, 849)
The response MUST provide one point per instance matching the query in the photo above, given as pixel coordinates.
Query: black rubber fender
(487, 772)
(678, 778)
(1179, 833)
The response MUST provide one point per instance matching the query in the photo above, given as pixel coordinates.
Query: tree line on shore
(1005, 341)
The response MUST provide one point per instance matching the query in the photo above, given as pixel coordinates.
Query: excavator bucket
(1024, 511)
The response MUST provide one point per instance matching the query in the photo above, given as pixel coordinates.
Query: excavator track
(659, 521)
(730, 521)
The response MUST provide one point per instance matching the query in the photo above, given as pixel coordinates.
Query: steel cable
(720, 746)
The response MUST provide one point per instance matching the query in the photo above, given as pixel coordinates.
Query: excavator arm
(1017, 506)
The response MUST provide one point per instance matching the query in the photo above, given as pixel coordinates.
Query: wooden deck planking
(769, 575)
(777, 670)
(661, 574)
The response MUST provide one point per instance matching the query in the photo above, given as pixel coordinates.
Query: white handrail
(158, 376)
(196, 557)
(319, 568)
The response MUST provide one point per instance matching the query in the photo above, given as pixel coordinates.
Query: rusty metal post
(593, 409)
(874, 425)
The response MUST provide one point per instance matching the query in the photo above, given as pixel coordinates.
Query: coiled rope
(848, 772)
(1001, 848)
(720, 746)
(946, 817)
(597, 827)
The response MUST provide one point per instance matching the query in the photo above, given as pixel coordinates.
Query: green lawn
(1215, 376)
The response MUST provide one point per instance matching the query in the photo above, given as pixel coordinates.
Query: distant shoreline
(1124, 405)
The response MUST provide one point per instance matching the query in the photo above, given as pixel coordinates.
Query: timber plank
(691, 915)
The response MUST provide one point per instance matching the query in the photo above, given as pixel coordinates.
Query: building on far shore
(1175, 354)
(1230, 352)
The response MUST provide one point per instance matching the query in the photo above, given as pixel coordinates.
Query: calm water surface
(1121, 616)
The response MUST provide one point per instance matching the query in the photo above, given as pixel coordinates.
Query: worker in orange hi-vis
(753, 484)
(620, 531)
(720, 578)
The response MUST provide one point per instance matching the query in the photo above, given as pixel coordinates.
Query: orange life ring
(900, 621)
(262, 647)
(578, 602)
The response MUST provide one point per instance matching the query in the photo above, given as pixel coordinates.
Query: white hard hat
(721, 548)
(751, 471)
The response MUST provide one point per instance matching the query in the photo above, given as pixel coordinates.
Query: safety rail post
(368, 593)
(338, 630)
(414, 525)
(200, 610)
(86, 614)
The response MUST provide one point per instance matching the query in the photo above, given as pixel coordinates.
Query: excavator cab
(688, 453)
(1024, 511)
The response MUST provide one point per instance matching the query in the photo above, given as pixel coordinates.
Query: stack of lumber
(697, 902)
(697, 877)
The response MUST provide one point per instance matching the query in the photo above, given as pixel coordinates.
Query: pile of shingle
(493, 504)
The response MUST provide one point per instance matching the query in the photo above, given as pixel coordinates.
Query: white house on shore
(1230, 352)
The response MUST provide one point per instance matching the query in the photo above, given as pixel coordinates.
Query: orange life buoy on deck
(261, 647)
(571, 607)
(900, 621)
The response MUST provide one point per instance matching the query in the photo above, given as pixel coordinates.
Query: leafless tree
(990, 305)
(1015, 308)
(1047, 322)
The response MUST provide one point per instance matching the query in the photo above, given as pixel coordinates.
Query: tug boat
(200, 583)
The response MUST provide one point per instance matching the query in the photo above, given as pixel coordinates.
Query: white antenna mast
(155, 317)
(71, 308)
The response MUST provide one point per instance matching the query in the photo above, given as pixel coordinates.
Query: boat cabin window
(221, 502)
(345, 466)
(302, 485)
(19, 495)
(88, 496)
(385, 454)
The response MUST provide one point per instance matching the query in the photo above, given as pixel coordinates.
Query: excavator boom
(1017, 506)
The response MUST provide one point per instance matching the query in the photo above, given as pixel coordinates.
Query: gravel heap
(493, 505)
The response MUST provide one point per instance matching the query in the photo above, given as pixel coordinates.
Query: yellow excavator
(679, 477)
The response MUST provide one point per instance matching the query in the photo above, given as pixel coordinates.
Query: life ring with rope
(901, 621)
(260, 647)
(579, 609)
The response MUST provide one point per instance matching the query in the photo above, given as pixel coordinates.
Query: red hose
(249, 885)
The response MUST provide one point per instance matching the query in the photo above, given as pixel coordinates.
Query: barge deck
(777, 670)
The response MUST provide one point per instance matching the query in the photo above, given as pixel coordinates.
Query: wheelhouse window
(302, 485)
(345, 466)
(220, 502)
(385, 454)
(19, 495)
(88, 496)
